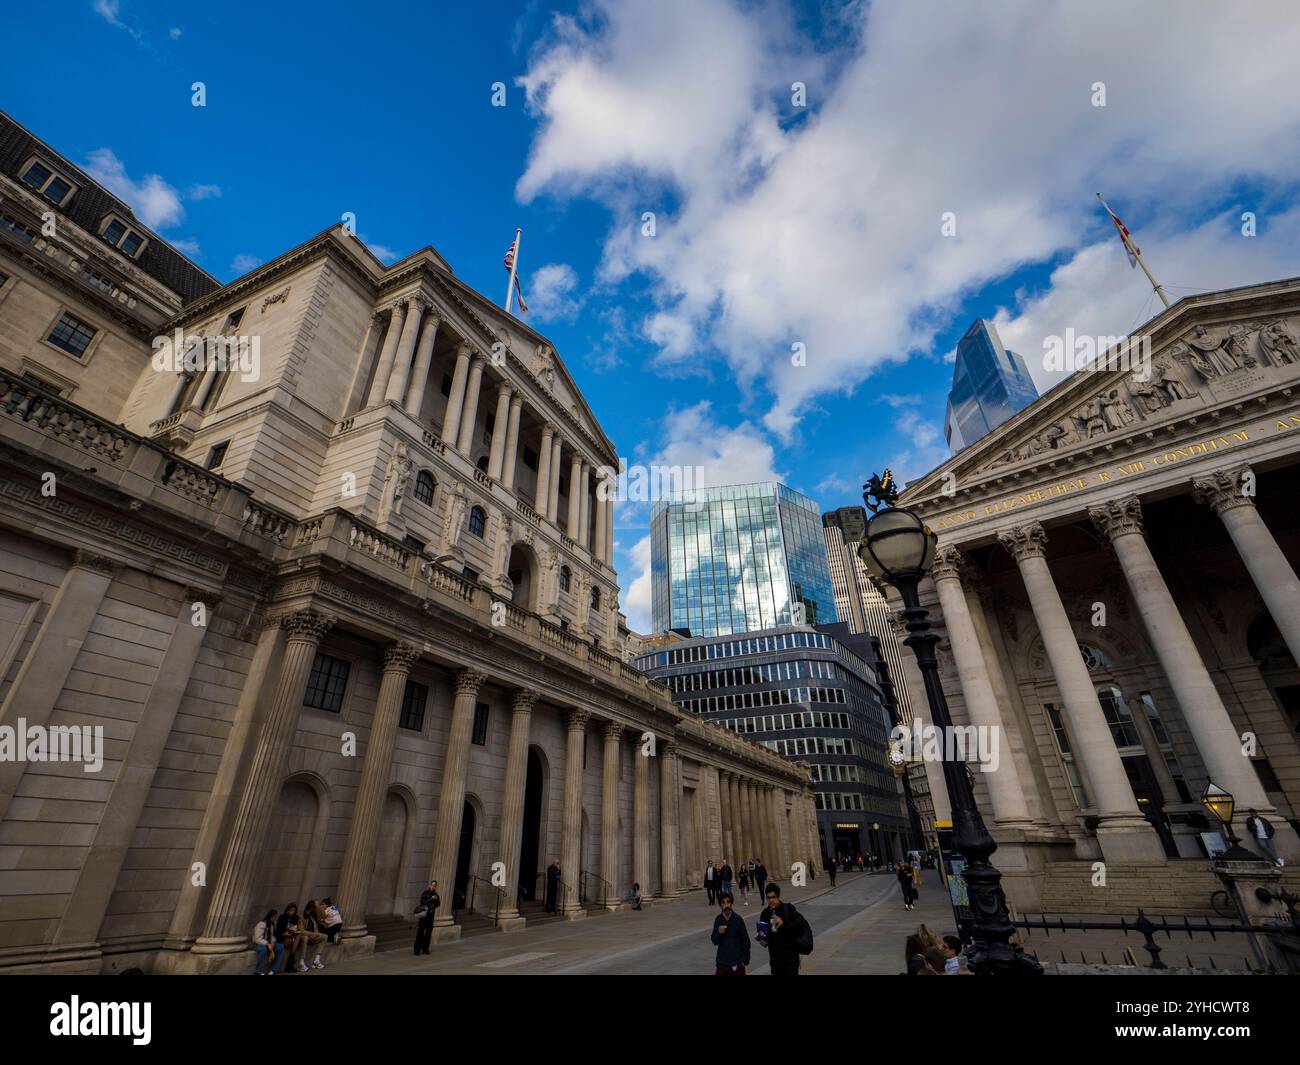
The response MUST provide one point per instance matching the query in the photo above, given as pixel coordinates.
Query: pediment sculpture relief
(544, 365)
(1204, 356)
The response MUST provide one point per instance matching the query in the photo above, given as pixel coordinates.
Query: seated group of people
(287, 938)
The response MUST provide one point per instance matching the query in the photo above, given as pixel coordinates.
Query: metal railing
(1287, 931)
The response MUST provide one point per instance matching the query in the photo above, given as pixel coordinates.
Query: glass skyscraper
(734, 559)
(989, 384)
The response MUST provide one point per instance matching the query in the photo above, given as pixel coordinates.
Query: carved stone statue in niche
(1279, 343)
(398, 478)
(456, 514)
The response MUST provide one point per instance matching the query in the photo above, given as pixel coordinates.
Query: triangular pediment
(1201, 355)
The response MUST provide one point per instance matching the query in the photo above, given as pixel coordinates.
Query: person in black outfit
(785, 932)
(904, 875)
(760, 874)
(830, 871)
(731, 937)
(552, 885)
(711, 883)
(429, 902)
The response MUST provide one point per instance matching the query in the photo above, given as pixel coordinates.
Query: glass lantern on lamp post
(898, 549)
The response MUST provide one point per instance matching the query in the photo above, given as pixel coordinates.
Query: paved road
(859, 927)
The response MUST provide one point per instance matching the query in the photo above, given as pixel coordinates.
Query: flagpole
(1140, 261)
(514, 265)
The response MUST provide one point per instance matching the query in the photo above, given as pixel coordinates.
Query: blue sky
(781, 218)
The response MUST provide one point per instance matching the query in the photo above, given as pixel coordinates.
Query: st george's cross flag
(510, 266)
(1124, 235)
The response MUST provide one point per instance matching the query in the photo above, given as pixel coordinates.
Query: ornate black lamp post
(1221, 803)
(898, 549)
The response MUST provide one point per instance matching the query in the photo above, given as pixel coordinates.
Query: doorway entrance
(463, 857)
(529, 847)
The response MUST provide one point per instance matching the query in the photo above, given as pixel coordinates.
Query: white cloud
(204, 192)
(174, 33)
(827, 230)
(155, 202)
(921, 443)
(241, 264)
(636, 602)
(550, 293)
(186, 246)
(109, 10)
(382, 252)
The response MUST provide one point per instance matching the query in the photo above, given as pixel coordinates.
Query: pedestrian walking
(743, 884)
(711, 883)
(725, 875)
(904, 875)
(731, 937)
(428, 905)
(785, 932)
(760, 875)
(830, 870)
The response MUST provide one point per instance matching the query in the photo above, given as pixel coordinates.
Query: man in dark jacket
(429, 902)
(711, 883)
(725, 874)
(760, 874)
(904, 875)
(785, 932)
(1262, 829)
(830, 871)
(731, 937)
(552, 885)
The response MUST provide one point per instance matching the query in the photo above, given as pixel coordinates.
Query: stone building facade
(344, 613)
(1115, 587)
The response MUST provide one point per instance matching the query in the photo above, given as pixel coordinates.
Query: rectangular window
(413, 543)
(328, 680)
(217, 455)
(413, 702)
(481, 711)
(40, 178)
(72, 335)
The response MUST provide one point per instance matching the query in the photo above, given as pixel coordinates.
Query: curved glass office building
(737, 559)
(989, 384)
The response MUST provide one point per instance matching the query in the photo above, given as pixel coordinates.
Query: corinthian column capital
(1025, 541)
(399, 657)
(951, 564)
(1223, 490)
(613, 730)
(577, 719)
(1118, 517)
(307, 625)
(469, 681)
(524, 699)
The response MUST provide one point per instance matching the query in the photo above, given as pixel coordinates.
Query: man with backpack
(785, 932)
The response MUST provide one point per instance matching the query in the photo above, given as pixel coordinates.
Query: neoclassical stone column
(468, 416)
(367, 811)
(414, 398)
(641, 819)
(1272, 574)
(451, 797)
(609, 531)
(84, 913)
(512, 443)
(387, 354)
(541, 497)
(553, 499)
(726, 814)
(500, 432)
(753, 840)
(512, 804)
(52, 654)
(575, 500)
(584, 507)
(571, 830)
(1123, 833)
(610, 893)
(231, 908)
(602, 518)
(1010, 811)
(669, 826)
(396, 390)
(1151, 744)
(456, 401)
(781, 859)
(810, 820)
(1207, 718)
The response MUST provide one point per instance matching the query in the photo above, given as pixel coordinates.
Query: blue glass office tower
(989, 384)
(729, 560)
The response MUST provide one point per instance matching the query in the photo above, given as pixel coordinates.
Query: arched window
(477, 521)
(424, 486)
(565, 578)
(595, 598)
